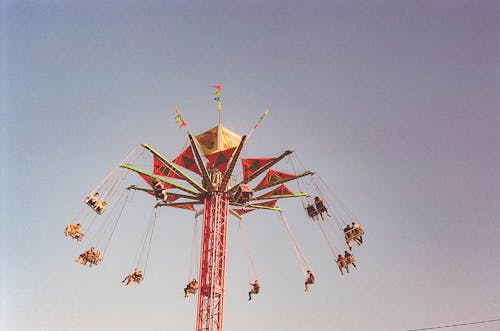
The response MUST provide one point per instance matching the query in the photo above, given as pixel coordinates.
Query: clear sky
(394, 103)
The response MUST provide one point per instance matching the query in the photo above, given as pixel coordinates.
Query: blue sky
(395, 104)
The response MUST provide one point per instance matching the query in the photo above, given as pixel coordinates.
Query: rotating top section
(217, 139)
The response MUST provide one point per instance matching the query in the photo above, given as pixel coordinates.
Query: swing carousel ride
(215, 190)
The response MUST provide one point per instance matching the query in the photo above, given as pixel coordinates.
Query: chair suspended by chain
(340, 213)
(99, 240)
(192, 286)
(353, 232)
(74, 230)
(109, 185)
(92, 256)
(310, 278)
(243, 194)
(252, 273)
(160, 191)
(137, 276)
(343, 262)
(97, 205)
(317, 209)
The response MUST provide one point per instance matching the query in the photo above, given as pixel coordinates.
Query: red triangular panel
(273, 176)
(220, 159)
(252, 165)
(172, 198)
(159, 167)
(186, 160)
(147, 179)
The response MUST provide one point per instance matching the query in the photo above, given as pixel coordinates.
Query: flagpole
(258, 123)
(218, 93)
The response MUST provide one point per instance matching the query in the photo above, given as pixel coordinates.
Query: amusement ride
(202, 180)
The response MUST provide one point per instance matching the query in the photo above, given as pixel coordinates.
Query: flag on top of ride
(217, 96)
(178, 119)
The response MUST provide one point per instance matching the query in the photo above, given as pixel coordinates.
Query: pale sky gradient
(394, 103)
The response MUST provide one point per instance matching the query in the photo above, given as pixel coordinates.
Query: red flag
(178, 119)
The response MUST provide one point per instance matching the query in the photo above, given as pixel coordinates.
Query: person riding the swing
(309, 280)
(100, 206)
(135, 277)
(341, 263)
(191, 288)
(349, 235)
(162, 195)
(312, 212)
(157, 185)
(320, 207)
(358, 233)
(349, 259)
(92, 199)
(254, 290)
(74, 231)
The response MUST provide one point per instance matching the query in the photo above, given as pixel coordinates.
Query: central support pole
(213, 263)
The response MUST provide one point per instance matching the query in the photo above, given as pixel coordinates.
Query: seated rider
(74, 231)
(100, 206)
(92, 199)
(254, 290)
(309, 280)
(93, 256)
(349, 235)
(157, 185)
(358, 233)
(341, 263)
(320, 207)
(349, 259)
(312, 212)
(135, 277)
(82, 258)
(191, 288)
(162, 195)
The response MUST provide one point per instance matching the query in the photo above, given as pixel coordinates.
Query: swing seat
(243, 194)
(311, 211)
(100, 207)
(349, 234)
(358, 232)
(320, 207)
